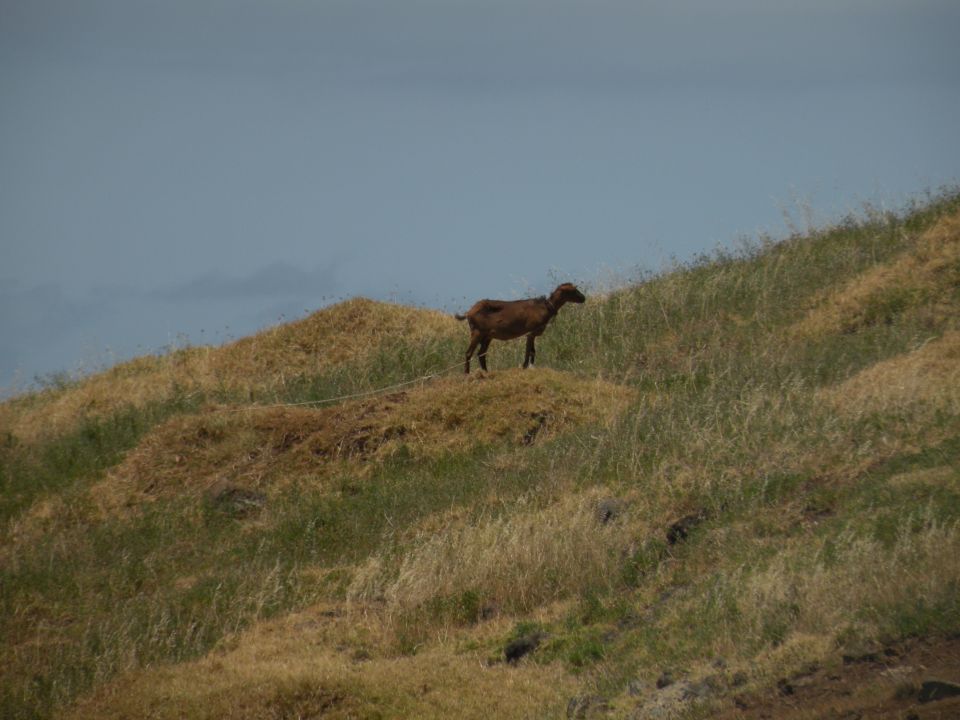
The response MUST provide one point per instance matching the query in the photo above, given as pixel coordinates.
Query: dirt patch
(257, 448)
(881, 685)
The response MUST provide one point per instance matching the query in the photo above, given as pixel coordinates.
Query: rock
(933, 690)
(516, 649)
(584, 707)
(684, 526)
(609, 509)
(784, 687)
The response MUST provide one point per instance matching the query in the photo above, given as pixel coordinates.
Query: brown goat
(509, 319)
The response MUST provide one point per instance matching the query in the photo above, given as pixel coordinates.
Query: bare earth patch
(885, 685)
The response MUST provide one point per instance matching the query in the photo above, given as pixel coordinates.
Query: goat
(509, 319)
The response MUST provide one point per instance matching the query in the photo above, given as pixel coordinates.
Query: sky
(190, 171)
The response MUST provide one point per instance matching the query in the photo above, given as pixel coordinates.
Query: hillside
(731, 489)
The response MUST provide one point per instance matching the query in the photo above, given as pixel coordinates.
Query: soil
(885, 685)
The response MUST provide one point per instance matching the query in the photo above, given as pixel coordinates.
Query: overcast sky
(193, 170)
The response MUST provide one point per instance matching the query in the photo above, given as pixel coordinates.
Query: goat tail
(460, 317)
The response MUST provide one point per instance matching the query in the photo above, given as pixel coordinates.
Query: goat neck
(555, 302)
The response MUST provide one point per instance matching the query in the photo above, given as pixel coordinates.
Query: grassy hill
(741, 475)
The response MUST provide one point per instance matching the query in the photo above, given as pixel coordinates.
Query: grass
(799, 398)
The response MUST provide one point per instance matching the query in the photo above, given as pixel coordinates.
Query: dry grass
(926, 380)
(47, 516)
(514, 563)
(927, 274)
(268, 447)
(349, 332)
(928, 477)
(331, 663)
(346, 333)
(136, 383)
(849, 583)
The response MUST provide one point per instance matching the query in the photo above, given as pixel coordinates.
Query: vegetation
(187, 536)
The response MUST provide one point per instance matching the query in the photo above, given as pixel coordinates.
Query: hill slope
(734, 475)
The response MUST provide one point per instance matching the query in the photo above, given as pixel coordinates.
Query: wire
(353, 396)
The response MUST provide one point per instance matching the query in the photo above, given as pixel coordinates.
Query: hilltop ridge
(349, 333)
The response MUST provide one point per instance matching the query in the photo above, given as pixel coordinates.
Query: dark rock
(933, 690)
(682, 528)
(665, 680)
(609, 509)
(813, 513)
(516, 649)
(539, 421)
(584, 707)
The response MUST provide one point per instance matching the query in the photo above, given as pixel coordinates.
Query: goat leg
(482, 355)
(474, 340)
(531, 353)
